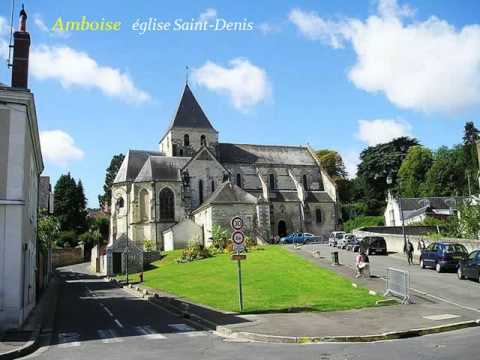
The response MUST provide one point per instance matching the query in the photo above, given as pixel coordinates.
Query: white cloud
(208, 14)
(76, 68)
(4, 26)
(269, 28)
(59, 148)
(351, 159)
(422, 65)
(245, 83)
(38, 21)
(4, 31)
(379, 131)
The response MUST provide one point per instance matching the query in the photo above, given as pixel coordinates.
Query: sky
(334, 74)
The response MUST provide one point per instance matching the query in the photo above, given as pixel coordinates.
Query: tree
(332, 162)
(413, 171)
(70, 204)
(48, 228)
(105, 199)
(377, 163)
(446, 176)
(469, 221)
(470, 152)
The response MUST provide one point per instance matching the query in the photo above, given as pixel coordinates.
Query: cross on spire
(187, 74)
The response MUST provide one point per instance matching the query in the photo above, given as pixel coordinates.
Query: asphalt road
(96, 320)
(445, 285)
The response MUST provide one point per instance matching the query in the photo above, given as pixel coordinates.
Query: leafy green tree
(70, 204)
(470, 138)
(48, 228)
(413, 171)
(377, 163)
(446, 176)
(67, 238)
(469, 221)
(332, 162)
(105, 199)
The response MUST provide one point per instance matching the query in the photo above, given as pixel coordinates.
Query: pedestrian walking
(409, 251)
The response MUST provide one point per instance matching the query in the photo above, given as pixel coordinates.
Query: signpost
(238, 239)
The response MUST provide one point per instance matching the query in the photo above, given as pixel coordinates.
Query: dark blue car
(442, 256)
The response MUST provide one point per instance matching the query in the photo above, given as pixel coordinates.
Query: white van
(334, 237)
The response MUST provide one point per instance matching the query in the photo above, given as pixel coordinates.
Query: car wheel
(438, 268)
(460, 273)
(422, 264)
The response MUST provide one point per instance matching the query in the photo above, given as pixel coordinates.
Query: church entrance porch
(282, 228)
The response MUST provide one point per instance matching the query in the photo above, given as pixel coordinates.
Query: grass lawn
(274, 279)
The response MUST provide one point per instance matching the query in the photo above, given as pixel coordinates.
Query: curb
(46, 303)
(179, 307)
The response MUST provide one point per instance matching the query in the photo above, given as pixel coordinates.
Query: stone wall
(395, 242)
(151, 256)
(67, 256)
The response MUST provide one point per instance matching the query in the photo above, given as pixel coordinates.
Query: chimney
(21, 50)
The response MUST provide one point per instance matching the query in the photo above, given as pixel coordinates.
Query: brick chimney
(21, 50)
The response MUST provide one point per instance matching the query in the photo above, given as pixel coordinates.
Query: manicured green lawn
(274, 279)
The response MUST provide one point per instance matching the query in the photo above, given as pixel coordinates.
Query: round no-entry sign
(237, 223)
(238, 237)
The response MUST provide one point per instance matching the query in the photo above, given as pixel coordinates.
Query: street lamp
(390, 182)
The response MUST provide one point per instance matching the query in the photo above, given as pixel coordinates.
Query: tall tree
(470, 152)
(377, 163)
(413, 171)
(105, 199)
(69, 204)
(446, 176)
(332, 162)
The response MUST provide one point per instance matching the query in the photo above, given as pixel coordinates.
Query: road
(96, 320)
(445, 285)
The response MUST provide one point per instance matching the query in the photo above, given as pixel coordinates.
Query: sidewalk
(425, 316)
(21, 342)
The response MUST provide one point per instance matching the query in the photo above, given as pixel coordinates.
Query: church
(170, 197)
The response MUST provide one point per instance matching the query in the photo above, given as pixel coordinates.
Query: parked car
(442, 256)
(345, 240)
(374, 245)
(299, 238)
(469, 268)
(354, 245)
(334, 237)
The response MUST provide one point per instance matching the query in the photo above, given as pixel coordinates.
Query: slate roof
(410, 204)
(189, 113)
(132, 164)
(161, 168)
(228, 193)
(264, 154)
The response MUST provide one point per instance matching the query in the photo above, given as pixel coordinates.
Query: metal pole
(240, 293)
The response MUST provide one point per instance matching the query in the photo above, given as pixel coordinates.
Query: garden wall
(67, 256)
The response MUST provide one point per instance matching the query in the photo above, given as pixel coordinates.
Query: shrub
(67, 239)
(148, 245)
(363, 221)
(192, 252)
(220, 237)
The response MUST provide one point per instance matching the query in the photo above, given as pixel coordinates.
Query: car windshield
(455, 248)
(339, 236)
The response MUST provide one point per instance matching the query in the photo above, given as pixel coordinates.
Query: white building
(20, 167)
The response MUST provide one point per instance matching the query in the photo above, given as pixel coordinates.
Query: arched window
(239, 180)
(120, 203)
(305, 182)
(203, 140)
(200, 191)
(144, 205)
(318, 215)
(213, 186)
(167, 205)
(271, 181)
(186, 140)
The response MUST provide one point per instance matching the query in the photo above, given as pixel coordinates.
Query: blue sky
(334, 74)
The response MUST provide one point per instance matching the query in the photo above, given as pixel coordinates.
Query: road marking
(441, 317)
(108, 311)
(148, 333)
(181, 327)
(69, 339)
(109, 336)
(118, 323)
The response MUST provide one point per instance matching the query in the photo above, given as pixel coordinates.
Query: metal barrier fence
(398, 284)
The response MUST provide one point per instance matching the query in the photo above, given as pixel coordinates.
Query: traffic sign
(239, 257)
(238, 237)
(237, 223)
(238, 248)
